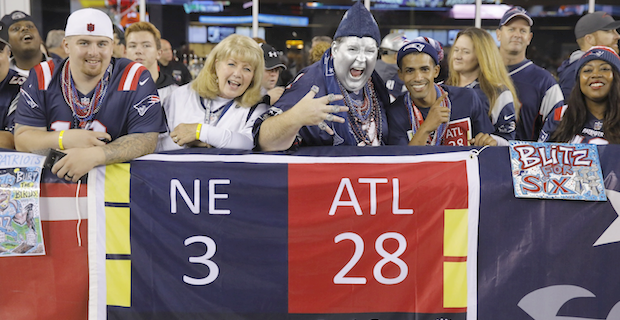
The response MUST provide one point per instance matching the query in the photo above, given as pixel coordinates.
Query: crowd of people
(103, 95)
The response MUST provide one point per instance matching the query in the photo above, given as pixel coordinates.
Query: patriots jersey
(465, 105)
(503, 114)
(592, 131)
(9, 95)
(538, 93)
(130, 104)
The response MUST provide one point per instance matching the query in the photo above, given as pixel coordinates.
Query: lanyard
(210, 116)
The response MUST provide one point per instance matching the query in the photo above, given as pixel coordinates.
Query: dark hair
(119, 34)
(576, 114)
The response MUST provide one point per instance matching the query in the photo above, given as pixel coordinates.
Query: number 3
(214, 270)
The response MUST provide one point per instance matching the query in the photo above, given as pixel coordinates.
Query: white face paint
(354, 61)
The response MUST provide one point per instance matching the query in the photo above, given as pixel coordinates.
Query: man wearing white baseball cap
(97, 109)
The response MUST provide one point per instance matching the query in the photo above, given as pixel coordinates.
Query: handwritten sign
(20, 220)
(556, 171)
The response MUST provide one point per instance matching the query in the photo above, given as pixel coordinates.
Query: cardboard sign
(556, 171)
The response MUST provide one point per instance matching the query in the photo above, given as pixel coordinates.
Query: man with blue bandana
(345, 72)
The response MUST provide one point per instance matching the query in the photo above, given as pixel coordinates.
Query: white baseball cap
(89, 22)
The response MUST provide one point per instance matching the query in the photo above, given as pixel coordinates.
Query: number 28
(341, 278)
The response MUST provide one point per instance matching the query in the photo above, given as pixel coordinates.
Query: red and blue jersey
(130, 104)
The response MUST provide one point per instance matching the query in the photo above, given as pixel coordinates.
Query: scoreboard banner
(200, 236)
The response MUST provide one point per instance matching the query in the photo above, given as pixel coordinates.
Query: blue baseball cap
(417, 47)
(513, 13)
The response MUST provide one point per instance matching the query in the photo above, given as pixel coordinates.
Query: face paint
(354, 61)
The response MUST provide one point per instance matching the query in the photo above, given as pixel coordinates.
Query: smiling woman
(215, 110)
(593, 111)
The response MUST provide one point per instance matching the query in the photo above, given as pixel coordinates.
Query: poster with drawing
(20, 219)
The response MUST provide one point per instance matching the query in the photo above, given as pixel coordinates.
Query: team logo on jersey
(146, 103)
(28, 98)
(90, 27)
(598, 125)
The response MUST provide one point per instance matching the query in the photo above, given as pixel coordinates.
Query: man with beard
(537, 90)
(431, 114)
(98, 109)
(345, 71)
(25, 42)
(594, 29)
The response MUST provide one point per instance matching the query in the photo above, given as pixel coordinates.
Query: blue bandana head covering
(358, 22)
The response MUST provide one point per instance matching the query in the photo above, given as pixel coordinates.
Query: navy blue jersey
(389, 73)
(567, 72)
(465, 104)
(503, 116)
(319, 74)
(130, 105)
(592, 131)
(9, 95)
(539, 94)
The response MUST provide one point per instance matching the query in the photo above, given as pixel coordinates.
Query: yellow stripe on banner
(117, 231)
(117, 183)
(455, 233)
(118, 282)
(455, 284)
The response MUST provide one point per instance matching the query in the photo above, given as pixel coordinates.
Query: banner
(547, 259)
(55, 285)
(536, 258)
(266, 237)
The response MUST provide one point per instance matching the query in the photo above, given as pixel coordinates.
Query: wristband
(198, 131)
(60, 140)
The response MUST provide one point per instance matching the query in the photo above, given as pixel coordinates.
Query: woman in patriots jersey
(592, 114)
(475, 63)
(215, 110)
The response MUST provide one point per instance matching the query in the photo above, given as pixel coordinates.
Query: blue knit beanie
(358, 22)
(606, 54)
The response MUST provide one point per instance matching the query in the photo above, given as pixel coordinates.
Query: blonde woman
(215, 110)
(475, 63)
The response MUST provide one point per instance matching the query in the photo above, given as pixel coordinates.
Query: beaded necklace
(415, 118)
(364, 114)
(83, 111)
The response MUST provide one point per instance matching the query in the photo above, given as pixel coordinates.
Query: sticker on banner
(20, 219)
(556, 171)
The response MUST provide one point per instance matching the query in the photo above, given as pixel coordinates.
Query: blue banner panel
(233, 229)
(546, 249)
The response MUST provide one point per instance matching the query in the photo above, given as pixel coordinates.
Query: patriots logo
(18, 15)
(90, 27)
(145, 104)
(28, 98)
(416, 45)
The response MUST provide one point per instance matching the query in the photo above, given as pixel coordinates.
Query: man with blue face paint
(344, 78)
